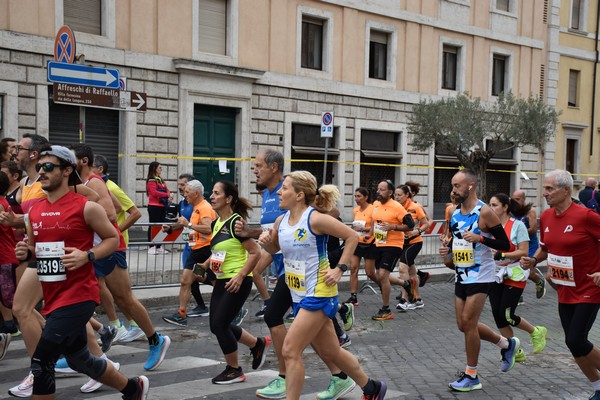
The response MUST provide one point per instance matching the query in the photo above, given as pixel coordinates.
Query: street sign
(90, 96)
(64, 45)
(327, 124)
(83, 75)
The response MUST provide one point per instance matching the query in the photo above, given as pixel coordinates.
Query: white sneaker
(93, 385)
(23, 389)
(121, 333)
(133, 333)
(152, 251)
(4, 342)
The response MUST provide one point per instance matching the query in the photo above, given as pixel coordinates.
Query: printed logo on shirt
(569, 228)
(300, 234)
(546, 230)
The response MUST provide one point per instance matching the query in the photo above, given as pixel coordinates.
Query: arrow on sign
(82, 75)
(139, 102)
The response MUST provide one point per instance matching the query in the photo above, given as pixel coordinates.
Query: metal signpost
(326, 132)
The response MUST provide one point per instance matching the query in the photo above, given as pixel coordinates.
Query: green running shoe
(337, 388)
(274, 390)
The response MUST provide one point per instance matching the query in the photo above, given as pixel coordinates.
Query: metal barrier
(156, 270)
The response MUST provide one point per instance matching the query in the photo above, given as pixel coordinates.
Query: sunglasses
(47, 166)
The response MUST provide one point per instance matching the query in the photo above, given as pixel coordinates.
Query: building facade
(225, 78)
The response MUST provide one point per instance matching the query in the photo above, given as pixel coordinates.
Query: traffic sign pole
(326, 132)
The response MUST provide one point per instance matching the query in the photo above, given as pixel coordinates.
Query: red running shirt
(56, 225)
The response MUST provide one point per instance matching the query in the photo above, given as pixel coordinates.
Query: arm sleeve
(408, 221)
(500, 240)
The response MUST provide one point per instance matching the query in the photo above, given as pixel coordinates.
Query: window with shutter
(503, 5)
(573, 82)
(84, 15)
(378, 49)
(212, 35)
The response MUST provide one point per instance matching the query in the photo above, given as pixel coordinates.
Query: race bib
(380, 234)
(295, 276)
(561, 270)
(462, 251)
(216, 261)
(360, 225)
(50, 267)
(192, 237)
(185, 235)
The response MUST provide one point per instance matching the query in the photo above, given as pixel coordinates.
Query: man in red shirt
(63, 227)
(570, 241)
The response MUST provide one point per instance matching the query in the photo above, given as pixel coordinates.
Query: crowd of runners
(63, 240)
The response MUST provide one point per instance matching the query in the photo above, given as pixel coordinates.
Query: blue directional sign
(83, 75)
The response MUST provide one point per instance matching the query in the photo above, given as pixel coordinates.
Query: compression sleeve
(500, 240)
(408, 221)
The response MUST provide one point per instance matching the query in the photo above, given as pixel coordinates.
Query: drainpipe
(592, 130)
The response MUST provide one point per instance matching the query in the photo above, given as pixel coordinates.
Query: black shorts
(463, 291)
(197, 256)
(65, 326)
(368, 251)
(410, 253)
(387, 257)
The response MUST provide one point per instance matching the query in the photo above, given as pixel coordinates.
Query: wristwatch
(343, 267)
(189, 225)
(91, 256)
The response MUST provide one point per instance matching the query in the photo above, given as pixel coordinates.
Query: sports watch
(91, 256)
(343, 267)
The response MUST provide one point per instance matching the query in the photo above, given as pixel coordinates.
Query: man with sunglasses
(113, 269)
(64, 225)
(390, 221)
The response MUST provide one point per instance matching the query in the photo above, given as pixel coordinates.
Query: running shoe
(423, 277)
(176, 319)
(540, 287)
(521, 301)
(348, 317)
(230, 375)
(382, 315)
(538, 339)
(143, 386)
(259, 351)
(152, 251)
(62, 367)
(595, 395)
(402, 306)
(121, 332)
(11, 329)
(157, 352)
(162, 250)
(274, 390)
(465, 383)
(508, 355)
(380, 395)
(337, 388)
(199, 312)
(23, 389)
(133, 333)
(418, 303)
(261, 312)
(239, 318)
(345, 341)
(290, 317)
(108, 335)
(92, 385)
(353, 300)
(5, 339)
(520, 357)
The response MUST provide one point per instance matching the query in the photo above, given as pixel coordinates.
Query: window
(571, 155)
(1, 114)
(84, 15)
(576, 14)
(378, 45)
(212, 32)
(307, 144)
(503, 5)
(499, 70)
(449, 67)
(378, 147)
(573, 86)
(312, 43)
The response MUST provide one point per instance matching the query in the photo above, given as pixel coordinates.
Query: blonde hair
(324, 198)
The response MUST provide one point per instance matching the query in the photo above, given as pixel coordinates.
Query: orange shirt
(417, 213)
(393, 213)
(364, 220)
(201, 210)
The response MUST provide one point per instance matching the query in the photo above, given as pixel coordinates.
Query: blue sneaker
(595, 395)
(465, 383)
(62, 367)
(508, 355)
(157, 352)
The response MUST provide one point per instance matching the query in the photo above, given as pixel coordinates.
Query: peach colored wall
(174, 28)
(257, 19)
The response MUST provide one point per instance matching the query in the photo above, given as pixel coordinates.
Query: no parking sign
(327, 124)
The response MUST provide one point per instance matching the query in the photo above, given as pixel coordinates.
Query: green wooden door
(214, 136)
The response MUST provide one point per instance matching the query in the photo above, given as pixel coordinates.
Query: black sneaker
(261, 312)
(10, 329)
(143, 386)
(175, 319)
(230, 375)
(107, 336)
(259, 351)
(199, 312)
(423, 277)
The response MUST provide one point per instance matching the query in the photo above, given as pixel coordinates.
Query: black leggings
(155, 214)
(504, 300)
(280, 302)
(410, 253)
(224, 306)
(577, 320)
